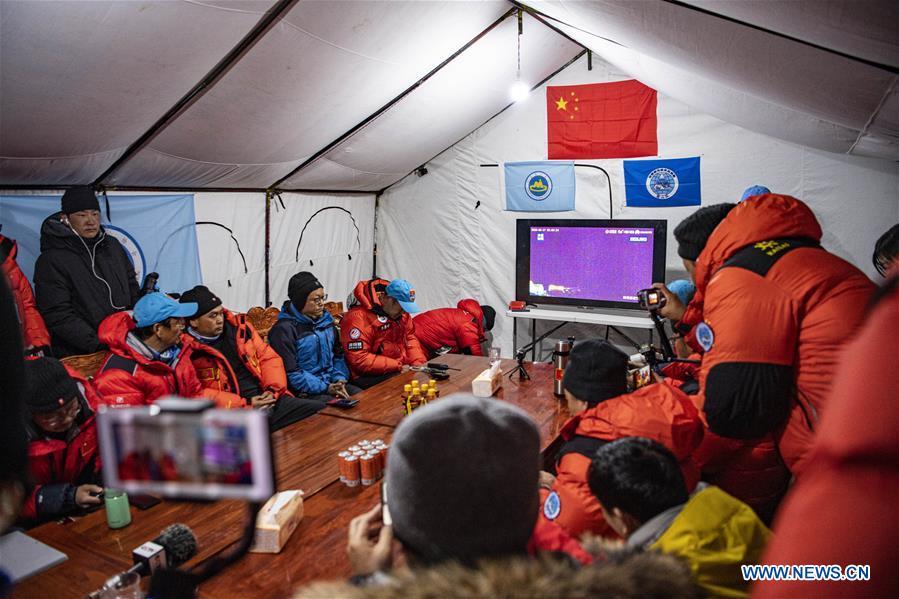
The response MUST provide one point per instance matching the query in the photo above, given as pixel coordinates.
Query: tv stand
(639, 320)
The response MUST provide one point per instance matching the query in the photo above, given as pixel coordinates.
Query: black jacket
(70, 297)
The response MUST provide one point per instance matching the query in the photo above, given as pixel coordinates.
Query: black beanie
(79, 198)
(300, 286)
(596, 371)
(200, 295)
(49, 385)
(489, 317)
(694, 231)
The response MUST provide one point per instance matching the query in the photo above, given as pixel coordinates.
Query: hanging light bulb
(519, 90)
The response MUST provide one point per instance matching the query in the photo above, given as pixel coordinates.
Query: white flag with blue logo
(539, 186)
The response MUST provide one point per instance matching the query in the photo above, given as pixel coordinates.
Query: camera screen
(211, 454)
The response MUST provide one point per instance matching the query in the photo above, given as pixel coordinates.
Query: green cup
(118, 512)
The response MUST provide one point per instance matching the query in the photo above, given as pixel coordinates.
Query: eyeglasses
(319, 301)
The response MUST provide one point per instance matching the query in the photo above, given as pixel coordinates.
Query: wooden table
(382, 404)
(305, 456)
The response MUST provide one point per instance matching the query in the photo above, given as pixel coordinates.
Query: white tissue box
(486, 383)
(277, 520)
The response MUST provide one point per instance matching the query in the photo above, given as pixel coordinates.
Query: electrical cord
(93, 257)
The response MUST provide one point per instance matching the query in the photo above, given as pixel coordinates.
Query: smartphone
(641, 376)
(386, 520)
(185, 453)
(343, 404)
(143, 502)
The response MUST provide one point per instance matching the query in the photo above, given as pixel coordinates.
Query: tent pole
(268, 249)
(374, 243)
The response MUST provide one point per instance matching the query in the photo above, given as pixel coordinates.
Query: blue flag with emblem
(158, 233)
(662, 183)
(540, 186)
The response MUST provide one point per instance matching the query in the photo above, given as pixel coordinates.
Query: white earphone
(93, 257)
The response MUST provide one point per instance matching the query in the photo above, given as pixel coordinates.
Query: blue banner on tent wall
(662, 183)
(158, 231)
(539, 186)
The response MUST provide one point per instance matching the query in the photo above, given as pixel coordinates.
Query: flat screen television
(591, 263)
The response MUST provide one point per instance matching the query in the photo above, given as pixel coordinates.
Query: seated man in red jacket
(235, 366)
(377, 333)
(146, 360)
(63, 455)
(461, 329)
(596, 392)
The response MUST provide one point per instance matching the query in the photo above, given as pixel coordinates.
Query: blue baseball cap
(156, 307)
(401, 291)
(755, 190)
(683, 289)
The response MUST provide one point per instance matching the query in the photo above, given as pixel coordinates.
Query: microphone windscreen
(179, 542)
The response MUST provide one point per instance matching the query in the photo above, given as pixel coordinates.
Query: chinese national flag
(601, 120)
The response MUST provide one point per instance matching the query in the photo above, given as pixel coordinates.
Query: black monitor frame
(523, 258)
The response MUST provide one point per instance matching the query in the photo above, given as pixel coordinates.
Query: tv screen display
(595, 263)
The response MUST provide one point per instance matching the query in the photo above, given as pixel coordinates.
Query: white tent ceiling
(81, 82)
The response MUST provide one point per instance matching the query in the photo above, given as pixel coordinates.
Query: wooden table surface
(305, 455)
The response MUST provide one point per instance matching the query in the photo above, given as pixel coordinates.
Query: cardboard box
(277, 520)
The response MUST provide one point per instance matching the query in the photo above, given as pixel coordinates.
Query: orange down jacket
(843, 509)
(216, 374)
(660, 412)
(776, 310)
(461, 328)
(34, 331)
(131, 378)
(374, 344)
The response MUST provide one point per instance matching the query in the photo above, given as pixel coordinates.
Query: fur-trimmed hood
(648, 575)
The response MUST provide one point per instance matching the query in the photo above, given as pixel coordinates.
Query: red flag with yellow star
(601, 120)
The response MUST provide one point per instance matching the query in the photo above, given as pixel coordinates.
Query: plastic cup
(118, 511)
(493, 354)
(123, 586)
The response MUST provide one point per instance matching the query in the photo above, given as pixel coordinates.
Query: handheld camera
(651, 299)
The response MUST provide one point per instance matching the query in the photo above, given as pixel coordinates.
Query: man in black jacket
(82, 275)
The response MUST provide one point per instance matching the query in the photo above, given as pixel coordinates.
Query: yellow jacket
(716, 534)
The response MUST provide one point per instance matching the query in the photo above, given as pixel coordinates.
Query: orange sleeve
(359, 352)
(415, 355)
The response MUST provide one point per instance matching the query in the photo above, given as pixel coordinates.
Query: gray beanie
(462, 480)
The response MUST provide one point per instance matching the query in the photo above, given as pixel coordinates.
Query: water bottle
(560, 361)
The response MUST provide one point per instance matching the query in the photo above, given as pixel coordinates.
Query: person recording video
(82, 275)
(62, 441)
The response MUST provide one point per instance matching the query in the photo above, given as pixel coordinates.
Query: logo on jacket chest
(355, 334)
(552, 507)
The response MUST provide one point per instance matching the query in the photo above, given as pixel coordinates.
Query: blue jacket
(311, 350)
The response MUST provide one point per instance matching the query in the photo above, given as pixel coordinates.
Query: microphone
(175, 545)
(149, 283)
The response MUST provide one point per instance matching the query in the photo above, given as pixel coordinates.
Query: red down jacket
(776, 310)
(461, 328)
(373, 343)
(131, 378)
(57, 466)
(749, 469)
(660, 412)
(34, 331)
(843, 509)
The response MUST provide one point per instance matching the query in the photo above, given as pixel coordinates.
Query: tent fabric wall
(750, 77)
(81, 81)
(329, 238)
(430, 232)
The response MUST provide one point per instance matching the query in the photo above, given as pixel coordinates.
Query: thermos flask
(560, 361)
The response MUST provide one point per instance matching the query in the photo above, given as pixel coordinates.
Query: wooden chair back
(263, 319)
(87, 364)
